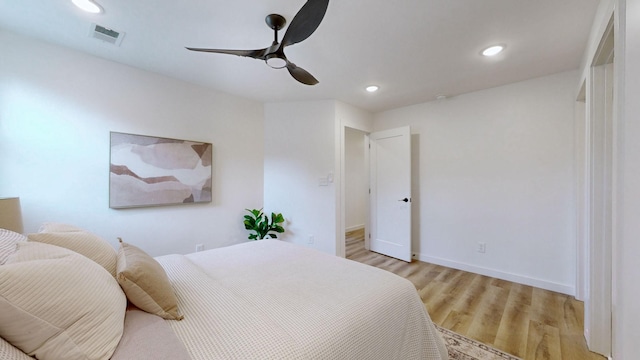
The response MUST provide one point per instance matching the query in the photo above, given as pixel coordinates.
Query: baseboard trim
(354, 228)
(525, 280)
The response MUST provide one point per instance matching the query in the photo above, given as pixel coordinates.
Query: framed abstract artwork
(155, 171)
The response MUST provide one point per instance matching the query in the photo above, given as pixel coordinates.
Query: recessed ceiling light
(493, 50)
(88, 6)
(372, 88)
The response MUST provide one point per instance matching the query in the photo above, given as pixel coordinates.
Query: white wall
(57, 108)
(356, 180)
(496, 166)
(298, 151)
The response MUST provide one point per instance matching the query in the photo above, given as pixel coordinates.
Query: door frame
(596, 189)
(365, 127)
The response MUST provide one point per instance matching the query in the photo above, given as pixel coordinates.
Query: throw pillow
(146, 283)
(84, 243)
(57, 304)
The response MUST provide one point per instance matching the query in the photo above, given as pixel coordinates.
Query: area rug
(463, 348)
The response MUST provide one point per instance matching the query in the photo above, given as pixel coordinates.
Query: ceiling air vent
(105, 34)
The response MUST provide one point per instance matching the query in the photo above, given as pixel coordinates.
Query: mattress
(270, 299)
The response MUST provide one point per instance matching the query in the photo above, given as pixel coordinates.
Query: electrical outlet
(311, 239)
(482, 247)
(199, 247)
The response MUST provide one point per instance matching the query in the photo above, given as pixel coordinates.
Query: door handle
(405, 200)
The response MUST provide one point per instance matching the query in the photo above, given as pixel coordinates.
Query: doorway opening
(356, 195)
(387, 189)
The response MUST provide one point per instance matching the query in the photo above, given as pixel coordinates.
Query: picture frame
(155, 171)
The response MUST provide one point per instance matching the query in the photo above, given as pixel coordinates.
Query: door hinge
(369, 191)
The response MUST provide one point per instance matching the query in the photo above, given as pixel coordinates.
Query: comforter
(274, 300)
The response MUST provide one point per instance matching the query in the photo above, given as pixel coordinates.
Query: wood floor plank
(439, 305)
(521, 294)
(489, 315)
(573, 311)
(528, 322)
(513, 332)
(547, 307)
(543, 342)
(458, 322)
(471, 299)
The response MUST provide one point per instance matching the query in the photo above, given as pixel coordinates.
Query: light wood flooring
(527, 322)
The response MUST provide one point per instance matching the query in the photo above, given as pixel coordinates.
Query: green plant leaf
(262, 224)
(278, 218)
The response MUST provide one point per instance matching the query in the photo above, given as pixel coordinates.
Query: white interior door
(390, 182)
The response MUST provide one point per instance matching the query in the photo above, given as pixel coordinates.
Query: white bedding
(273, 300)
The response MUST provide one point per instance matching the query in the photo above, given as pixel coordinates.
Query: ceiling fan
(302, 26)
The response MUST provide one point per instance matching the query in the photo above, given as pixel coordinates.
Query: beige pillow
(146, 283)
(8, 243)
(84, 243)
(57, 304)
(58, 227)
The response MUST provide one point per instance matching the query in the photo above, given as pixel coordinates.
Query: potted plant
(263, 226)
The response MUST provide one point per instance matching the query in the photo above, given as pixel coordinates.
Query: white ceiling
(413, 49)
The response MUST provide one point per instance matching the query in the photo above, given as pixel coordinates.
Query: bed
(264, 299)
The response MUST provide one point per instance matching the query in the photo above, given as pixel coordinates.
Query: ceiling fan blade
(305, 22)
(301, 74)
(256, 54)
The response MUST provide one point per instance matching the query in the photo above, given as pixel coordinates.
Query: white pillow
(84, 243)
(8, 243)
(57, 304)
